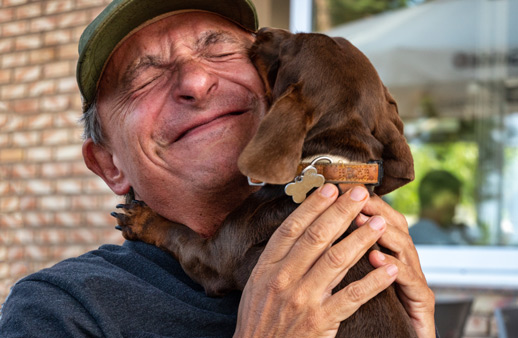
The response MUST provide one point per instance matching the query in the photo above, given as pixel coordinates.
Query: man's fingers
(296, 224)
(325, 230)
(407, 277)
(329, 270)
(345, 302)
(416, 296)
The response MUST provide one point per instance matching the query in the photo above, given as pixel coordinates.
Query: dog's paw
(133, 219)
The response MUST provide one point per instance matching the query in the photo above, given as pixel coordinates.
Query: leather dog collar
(314, 174)
(362, 173)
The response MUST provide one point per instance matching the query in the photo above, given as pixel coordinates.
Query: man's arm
(289, 291)
(40, 309)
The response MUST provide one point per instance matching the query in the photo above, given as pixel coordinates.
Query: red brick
(14, 28)
(54, 203)
(14, 91)
(55, 136)
(15, 253)
(39, 154)
(40, 121)
(51, 236)
(5, 76)
(111, 236)
(68, 85)
(6, 45)
(42, 55)
(39, 187)
(90, 3)
(57, 69)
(36, 253)
(28, 42)
(77, 104)
(38, 219)
(14, 122)
(100, 219)
(43, 24)
(68, 51)
(73, 19)
(80, 169)
(14, 60)
(4, 188)
(19, 269)
(8, 3)
(67, 119)
(83, 236)
(55, 103)
(68, 219)
(4, 140)
(28, 11)
(26, 106)
(57, 37)
(11, 220)
(5, 170)
(9, 204)
(6, 14)
(11, 155)
(55, 169)
(28, 203)
(24, 170)
(3, 119)
(24, 139)
(83, 202)
(23, 236)
(57, 6)
(95, 185)
(41, 88)
(68, 186)
(6, 237)
(67, 153)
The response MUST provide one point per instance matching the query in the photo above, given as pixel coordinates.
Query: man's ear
(100, 160)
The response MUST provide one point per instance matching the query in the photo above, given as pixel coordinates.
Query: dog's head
(326, 98)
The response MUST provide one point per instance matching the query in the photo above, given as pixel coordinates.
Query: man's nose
(195, 83)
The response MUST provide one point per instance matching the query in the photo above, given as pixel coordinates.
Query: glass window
(452, 66)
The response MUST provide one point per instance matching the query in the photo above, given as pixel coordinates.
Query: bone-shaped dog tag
(308, 180)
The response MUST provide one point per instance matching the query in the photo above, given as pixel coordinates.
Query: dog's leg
(139, 222)
(224, 261)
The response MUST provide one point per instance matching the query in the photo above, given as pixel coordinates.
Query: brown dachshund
(326, 100)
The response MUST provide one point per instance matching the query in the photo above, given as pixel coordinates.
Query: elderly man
(171, 99)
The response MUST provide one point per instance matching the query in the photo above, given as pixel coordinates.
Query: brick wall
(51, 206)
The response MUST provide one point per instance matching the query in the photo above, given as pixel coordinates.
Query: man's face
(178, 102)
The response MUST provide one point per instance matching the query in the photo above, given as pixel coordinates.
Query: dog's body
(326, 98)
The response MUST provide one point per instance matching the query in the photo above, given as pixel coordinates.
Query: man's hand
(417, 297)
(289, 291)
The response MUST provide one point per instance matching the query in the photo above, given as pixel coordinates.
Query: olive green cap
(121, 17)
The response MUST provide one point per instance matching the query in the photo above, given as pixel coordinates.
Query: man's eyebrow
(213, 37)
(133, 69)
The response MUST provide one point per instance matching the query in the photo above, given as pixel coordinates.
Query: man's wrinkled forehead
(140, 48)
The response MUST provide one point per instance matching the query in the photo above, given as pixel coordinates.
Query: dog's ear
(398, 165)
(275, 151)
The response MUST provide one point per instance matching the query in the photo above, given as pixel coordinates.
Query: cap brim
(121, 17)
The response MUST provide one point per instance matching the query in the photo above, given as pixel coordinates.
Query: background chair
(451, 316)
(507, 321)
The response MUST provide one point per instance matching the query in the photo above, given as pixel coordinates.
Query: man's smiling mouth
(206, 124)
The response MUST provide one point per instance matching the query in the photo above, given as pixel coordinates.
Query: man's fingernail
(381, 256)
(391, 269)
(377, 222)
(358, 194)
(328, 190)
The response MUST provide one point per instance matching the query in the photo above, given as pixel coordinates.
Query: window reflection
(453, 68)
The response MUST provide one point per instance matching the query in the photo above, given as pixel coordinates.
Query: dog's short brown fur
(326, 98)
